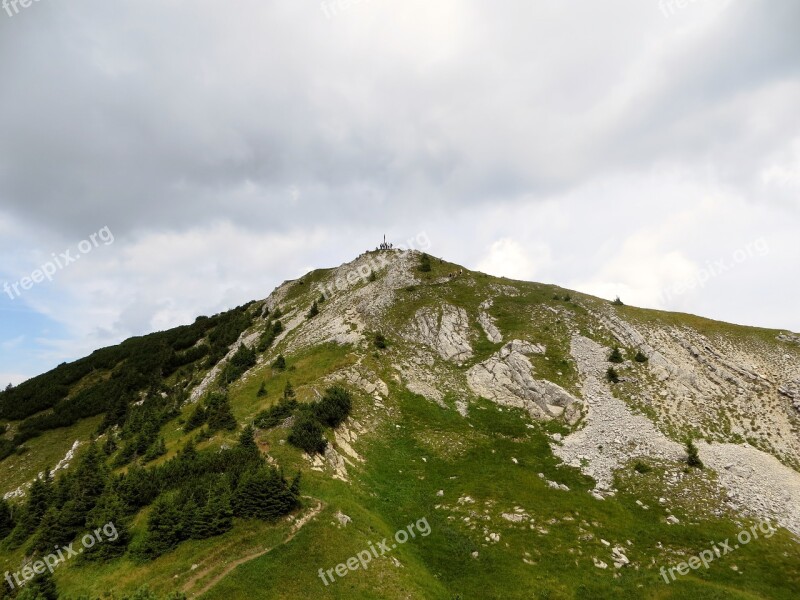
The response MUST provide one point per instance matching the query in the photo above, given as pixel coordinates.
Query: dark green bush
(307, 435)
(334, 407)
(380, 341)
(274, 415)
(425, 263)
(616, 356)
(693, 456)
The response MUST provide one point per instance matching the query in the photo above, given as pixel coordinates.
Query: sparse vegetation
(379, 341)
(425, 263)
(693, 456)
(279, 364)
(276, 414)
(616, 356)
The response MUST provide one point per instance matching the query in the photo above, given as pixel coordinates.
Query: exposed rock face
(613, 434)
(792, 391)
(790, 338)
(756, 483)
(487, 322)
(445, 330)
(507, 378)
(719, 386)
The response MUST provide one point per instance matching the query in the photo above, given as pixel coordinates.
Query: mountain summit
(527, 440)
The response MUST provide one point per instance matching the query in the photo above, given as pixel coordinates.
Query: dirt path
(296, 527)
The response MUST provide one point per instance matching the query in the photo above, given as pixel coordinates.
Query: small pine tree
(616, 356)
(618, 302)
(640, 357)
(275, 414)
(156, 450)
(280, 363)
(612, 375)
(693, 455)
(109, 513)
(425, 263)
(220, 507)
(295, 486)
(380, 341)
(334, 407)
(52, 530)
(263, 494)
(313, 311)
(288, 391)
(163, 527)
(197, 418)
(262, 390)
(6, 519)
(219, 412)
(306, 434)
(247, 440)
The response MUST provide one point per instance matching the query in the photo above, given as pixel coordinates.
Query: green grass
(396, 487)
(43, 452)
(413, 448)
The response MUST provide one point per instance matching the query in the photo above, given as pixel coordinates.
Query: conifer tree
(219, 413)
(51, 531)
(108, 513)
(263, 494)
(163, 527)
(197, 418)
(39, 497)
(247, 440)
(6, 519)
(220, 507)
(334, 407)
(616, 356)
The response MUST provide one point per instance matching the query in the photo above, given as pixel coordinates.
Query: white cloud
(508, 258)
(275, 139)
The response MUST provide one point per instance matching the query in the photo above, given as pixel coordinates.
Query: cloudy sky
(216, 149)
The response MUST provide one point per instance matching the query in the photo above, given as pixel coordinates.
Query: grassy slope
(395, 487)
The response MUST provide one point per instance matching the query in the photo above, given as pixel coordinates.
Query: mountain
(402, 427)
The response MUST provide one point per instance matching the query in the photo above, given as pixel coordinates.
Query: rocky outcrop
(756, 483)
(612, 434)
(789, 338)
(445, 330)
(487, 322)
(507, 379)
(791, 390)
(723, 387)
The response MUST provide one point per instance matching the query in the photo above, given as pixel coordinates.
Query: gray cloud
(178, 123)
